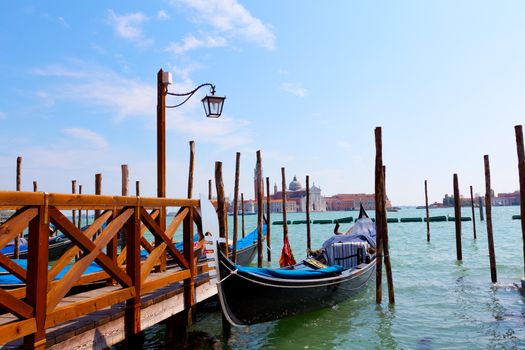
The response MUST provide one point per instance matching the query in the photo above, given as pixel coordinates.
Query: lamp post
(213, 108)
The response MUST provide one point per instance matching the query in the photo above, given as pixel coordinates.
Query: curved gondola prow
(362, 212)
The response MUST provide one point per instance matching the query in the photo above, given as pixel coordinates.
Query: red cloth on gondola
(287, 258)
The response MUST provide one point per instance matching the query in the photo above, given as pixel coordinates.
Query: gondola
(251, 295)
(57, 246)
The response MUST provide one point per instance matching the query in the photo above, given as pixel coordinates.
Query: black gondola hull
(249, 299)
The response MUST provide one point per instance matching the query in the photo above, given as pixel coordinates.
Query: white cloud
(294, 89)
(232, 19)
(129, 26)
(123, 96)
(162, 15)
(190, 42)
(63, 22)
(87, 135)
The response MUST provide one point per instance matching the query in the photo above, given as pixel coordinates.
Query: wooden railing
(37, 306)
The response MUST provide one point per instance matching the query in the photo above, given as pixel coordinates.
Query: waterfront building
(351, 201)
(296, 194)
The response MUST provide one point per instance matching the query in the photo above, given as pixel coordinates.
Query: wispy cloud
(232, 20)
(129, 27)
(162, 15)
(120, 95)
(63, 22)
(87, 135)
(190, 42)
(294, 89)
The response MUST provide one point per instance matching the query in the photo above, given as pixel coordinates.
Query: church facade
(296, 198)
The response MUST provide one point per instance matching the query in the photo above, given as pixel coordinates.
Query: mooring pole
(379, 206)
(481, 217)
(283, 198)
(125, 179)
(457, 215)
(73, 191)
(488, 205)
(260, 209)
(209, 190)
(35, 186)
(190, 170)
(137, 188)
(79, 224)
(242, 214)
(223, 232)
(473, 212)
(268, 211)
(427, 211)
(521, 171)
(16, 252)
(308, 233)
(388, 266)
(161, 161)
(236, 205)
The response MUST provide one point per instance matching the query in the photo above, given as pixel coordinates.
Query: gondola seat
(292, 274)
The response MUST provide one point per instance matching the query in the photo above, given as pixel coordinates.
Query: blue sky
(306, 82)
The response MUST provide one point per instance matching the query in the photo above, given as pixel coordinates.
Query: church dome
(295, 185)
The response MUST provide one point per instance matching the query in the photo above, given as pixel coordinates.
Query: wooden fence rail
(37, 304)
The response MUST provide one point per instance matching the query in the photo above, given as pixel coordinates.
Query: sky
(306, 82)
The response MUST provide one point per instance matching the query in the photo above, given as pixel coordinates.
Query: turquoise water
(440, 303)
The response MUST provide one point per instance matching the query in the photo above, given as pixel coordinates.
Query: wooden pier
(133, 289)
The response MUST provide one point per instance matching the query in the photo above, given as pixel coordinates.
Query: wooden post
(125, 179)
(283, 199)
(189, 284)
(132, 311)
(427, 212)
(79, 225)
(236, 205)
(490, 238)
(190, 170)
(137, 188)
(161, 160)
(73, 191)
(98, 190)
(481, 218)
(242, 214)
(221, 205)
(35, 186)
(260, 209)
(37, 275)
(379, 206)
(16, 252)
(209, 190)
(457, 214)
(473, 212)
(268, 211)
(521, 171)
(388, 266)
(308, 236)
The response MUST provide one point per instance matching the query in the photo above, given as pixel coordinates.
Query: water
(440, 303)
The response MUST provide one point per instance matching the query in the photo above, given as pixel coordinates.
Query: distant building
(297, 194)
(507, 199)
(502, 199)
(345, 202)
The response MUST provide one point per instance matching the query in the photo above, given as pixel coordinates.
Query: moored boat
(251, 295)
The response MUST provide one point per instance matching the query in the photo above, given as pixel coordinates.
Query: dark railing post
(36, 296)
(132, 312)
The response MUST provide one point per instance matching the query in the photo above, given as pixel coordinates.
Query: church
(296, 198)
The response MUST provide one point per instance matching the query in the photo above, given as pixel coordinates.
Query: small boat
(57, 246)
(250, 295)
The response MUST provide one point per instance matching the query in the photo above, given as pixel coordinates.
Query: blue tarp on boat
(292, 274)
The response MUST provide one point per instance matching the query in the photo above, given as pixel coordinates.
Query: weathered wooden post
(73, 191)
(242, 214)
(379, 206)
(161, 160)
(481, 217)
(137, 188)
(209, 190)
(236, 205)
(223, 231)
(125, 179)
(98, 190)
(457, 215)
(283, 199)
(35, 186)
(427, 212)
(521, 171)
(260, 209)
(268, 211)
(490, 237)
(16, 252)
(308, 232)
(473, 212)
(221, 205)
(388, 266)
(79, 225)
(191, 168)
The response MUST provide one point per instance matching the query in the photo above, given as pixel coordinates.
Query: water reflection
(386, 318)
